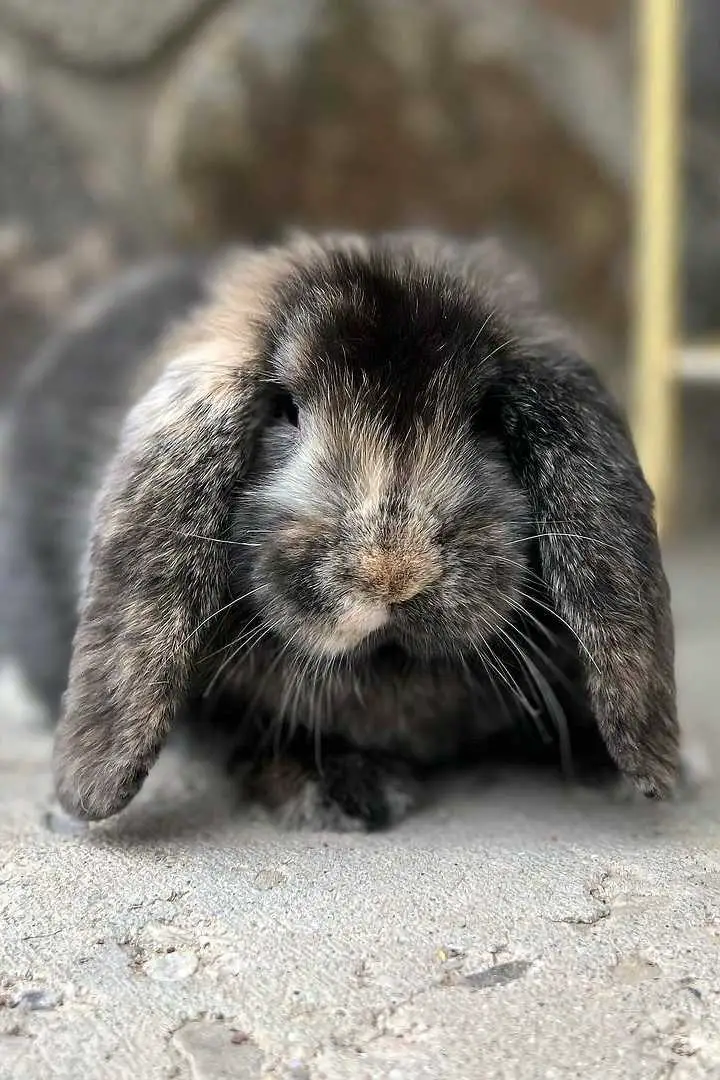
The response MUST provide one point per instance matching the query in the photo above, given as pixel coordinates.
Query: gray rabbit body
(355, 507)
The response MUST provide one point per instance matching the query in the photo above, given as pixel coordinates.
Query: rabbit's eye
(285, 408)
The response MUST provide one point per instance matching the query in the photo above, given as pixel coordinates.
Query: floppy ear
(152, 581)
(599, 552)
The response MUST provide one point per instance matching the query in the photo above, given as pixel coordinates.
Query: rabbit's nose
(397, 574)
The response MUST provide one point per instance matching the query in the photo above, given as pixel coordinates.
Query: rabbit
(355, 506)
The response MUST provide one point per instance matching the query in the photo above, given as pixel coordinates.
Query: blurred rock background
(131, 126)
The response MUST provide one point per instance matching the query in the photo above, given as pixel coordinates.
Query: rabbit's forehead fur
(389, 504)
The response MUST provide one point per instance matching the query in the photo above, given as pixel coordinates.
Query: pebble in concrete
(499, 975)
(214, 1051)
(172, 966)
(269, 878)
(37, 1000)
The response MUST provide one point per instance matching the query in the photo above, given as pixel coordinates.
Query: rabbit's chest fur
(424, 711)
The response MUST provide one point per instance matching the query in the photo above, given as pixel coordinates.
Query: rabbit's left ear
(598, 550)
(155, 578)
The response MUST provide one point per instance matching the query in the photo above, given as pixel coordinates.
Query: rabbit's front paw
(349, 792)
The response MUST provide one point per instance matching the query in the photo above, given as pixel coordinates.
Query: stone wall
(132, 126)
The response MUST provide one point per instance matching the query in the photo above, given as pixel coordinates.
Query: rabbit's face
(379, 510)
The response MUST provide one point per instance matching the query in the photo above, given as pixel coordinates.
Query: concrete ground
(517, 929)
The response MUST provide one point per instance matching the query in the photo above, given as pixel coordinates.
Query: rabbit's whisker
(546, 697)
(248, 641)
(225, 607)
(499, 348)
(216, 540)
(574, 633)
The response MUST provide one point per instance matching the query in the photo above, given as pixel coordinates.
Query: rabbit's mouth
(393, 649)
(389, 653)
(394, 656)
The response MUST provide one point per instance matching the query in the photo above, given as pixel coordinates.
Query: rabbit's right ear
(155, 577)
(598, 550)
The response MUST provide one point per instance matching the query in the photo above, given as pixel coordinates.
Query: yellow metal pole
(657, 337)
